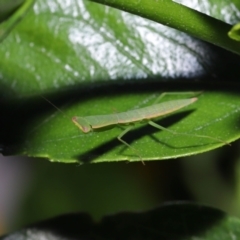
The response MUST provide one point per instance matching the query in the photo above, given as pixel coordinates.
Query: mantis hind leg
(128, 129)
(186, 134)
(162, 95)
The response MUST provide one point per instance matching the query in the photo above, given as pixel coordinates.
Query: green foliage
(12, 12)
(234, 32)
(180, 17)
(50, 132)
(90, 59)
(62, 60)
(190, 222)
(7, 7)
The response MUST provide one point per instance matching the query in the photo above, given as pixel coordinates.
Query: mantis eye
(86, 129)
(82, 124)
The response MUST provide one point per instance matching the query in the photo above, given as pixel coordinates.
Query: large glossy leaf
(61, 44)
(54, 136)
(78, 51)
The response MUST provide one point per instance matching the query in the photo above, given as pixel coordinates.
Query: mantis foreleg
(128, 129)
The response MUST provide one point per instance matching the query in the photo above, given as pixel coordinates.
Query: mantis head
(82, 124)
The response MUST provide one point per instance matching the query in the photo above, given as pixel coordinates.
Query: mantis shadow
(133, 135)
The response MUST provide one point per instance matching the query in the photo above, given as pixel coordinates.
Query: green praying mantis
(130, 118)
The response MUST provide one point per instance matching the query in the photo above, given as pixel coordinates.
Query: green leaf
(74, 53)
(54, 135)
(180, 221)
(234, 32)
(59, 46)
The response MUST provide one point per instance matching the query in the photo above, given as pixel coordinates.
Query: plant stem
(180, 17)
(17, 15)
